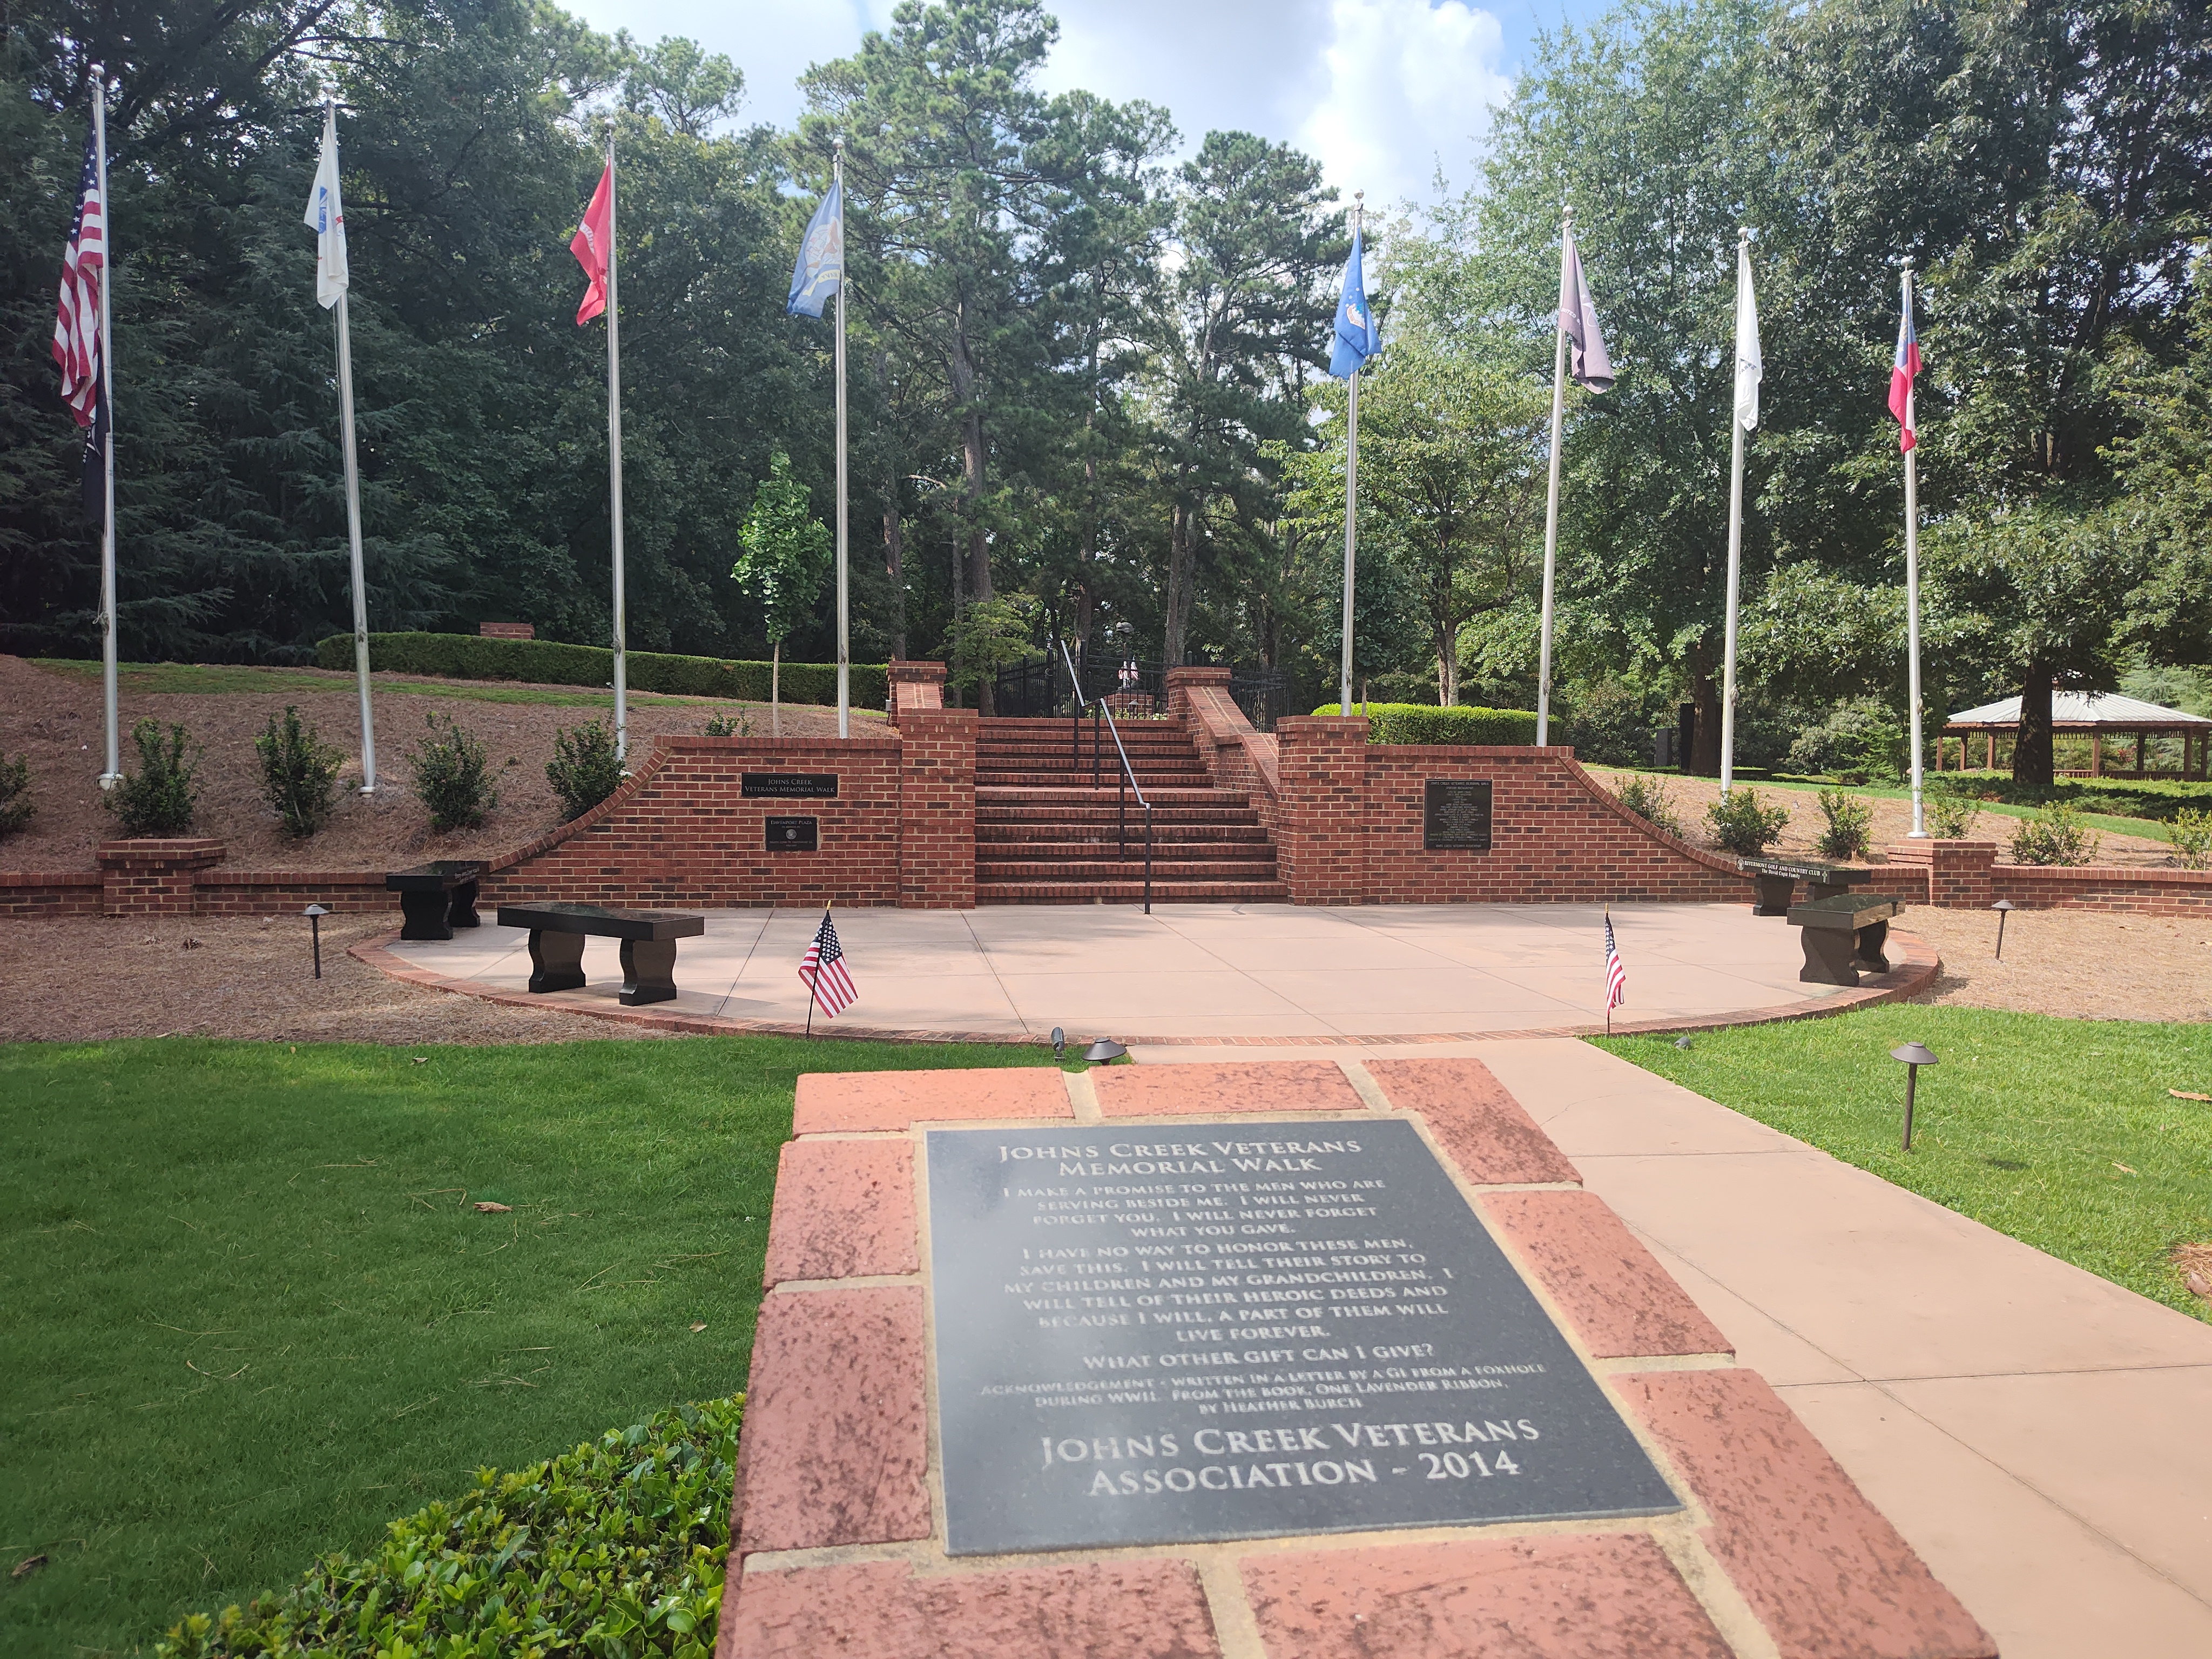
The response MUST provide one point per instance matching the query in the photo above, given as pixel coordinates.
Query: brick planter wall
(1952, 874)
(2104, 887)
(1321, 843)
(936, 808)
(49, 892)
(916, 685)
(153, 877)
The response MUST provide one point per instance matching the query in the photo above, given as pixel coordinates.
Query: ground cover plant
(2060, 1132)
(250, 1310)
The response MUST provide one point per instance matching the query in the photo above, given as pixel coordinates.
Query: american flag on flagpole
(1616, 975)
(76, 323)
(823, 969)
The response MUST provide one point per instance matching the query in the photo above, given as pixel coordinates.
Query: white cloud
(1410, 87)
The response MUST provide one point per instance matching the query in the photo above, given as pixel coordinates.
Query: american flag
(823, 969)
(77, 324)
(1616, 975)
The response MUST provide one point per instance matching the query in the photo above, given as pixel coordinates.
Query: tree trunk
(2031, 760)
(895, 564)
(1704, 759)
(776, 689)
(1182, 558)
(971, 466)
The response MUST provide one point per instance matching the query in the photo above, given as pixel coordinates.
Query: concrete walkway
(2042, 1438)
(1232, 972)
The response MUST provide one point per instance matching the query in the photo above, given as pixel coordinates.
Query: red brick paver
(1621, 1302)
(842, 1211)
(1280, 1086)
(1474, 1119)
(1611, 1596)
(833, 1101)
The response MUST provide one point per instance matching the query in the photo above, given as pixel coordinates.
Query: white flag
(326, 217)
(1750, 369)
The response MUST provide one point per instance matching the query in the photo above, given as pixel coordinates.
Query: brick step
(1017, 725)
(1091, 833)
(1130, 892)
(1013, 795)
(1109, 763)
(1131, 869)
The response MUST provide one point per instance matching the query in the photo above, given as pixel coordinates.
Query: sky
(1383, 92)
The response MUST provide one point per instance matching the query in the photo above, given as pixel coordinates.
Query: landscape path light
(2003, 907)
(1103, 1050)
(315, 913)
(1915, 1055)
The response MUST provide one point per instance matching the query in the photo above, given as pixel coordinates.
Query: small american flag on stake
(829, 985)
(1616, 975)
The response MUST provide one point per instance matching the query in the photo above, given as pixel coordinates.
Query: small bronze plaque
(788, 786)
(1456, 815)
(793, 834)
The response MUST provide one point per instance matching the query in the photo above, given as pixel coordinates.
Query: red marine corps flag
(590, 244)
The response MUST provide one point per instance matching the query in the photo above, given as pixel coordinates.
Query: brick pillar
(916, 686)
(153, 877)
(1320, 826)
(1959, 876)
(1180, 681)
(936, 806)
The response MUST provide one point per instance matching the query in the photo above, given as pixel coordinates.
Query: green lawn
(160, 678)
(2024, 1125)
(248, 1312)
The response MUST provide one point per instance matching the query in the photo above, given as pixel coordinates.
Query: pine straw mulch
(2081, 964)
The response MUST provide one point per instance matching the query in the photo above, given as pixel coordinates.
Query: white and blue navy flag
(325, 216)
(821, 268)
(1356, 337)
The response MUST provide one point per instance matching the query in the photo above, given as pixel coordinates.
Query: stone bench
(1777, 879)
(1844, 934)
(436, 898)
(558, 933)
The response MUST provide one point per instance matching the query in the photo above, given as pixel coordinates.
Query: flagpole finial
(1743, 234)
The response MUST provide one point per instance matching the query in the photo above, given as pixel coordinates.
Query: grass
(172, 679)
(2026, 1125)
(248, 1311)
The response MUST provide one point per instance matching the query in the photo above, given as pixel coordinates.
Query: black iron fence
(1134, 690)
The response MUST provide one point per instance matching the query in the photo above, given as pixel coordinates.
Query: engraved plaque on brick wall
(1152, 1335)
(788, 786)
(1456, 815)
(793, 834)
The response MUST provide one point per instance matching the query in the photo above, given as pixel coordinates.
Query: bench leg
(1827, 956)
(649, 971)
(1775, 893)
(556, 960)
(463, 913)
(1870, 954)
(425, 914)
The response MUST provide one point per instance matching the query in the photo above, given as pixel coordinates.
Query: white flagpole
(844, 591)
(614, 461)
(1552, 510)
(353, 532)
(1735, 529)
(1351, 481)
(114, 775)
(1912, 582)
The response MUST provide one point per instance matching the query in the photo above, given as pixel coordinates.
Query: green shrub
(1422, 722)
(1848, 821)
(2191, 835)
(2055, 835)
(157, 799)
(1650, 800)
(1742, 824)
(584, 770)
(1951, 807)
(298, 773)
(15, 804)
(616, 1547)
(548, 662)
(1861, 741)
(726, 725)
(453, 777)
(991, 636)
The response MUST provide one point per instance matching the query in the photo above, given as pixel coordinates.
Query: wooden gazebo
(2127, 737)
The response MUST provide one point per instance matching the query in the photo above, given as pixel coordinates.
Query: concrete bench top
(1844, 910)
(436, 877)
(653, 925)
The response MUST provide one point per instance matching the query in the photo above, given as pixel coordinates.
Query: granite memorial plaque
(793, 834)
(1456, 815)
(1203, 1331)
(788, 786)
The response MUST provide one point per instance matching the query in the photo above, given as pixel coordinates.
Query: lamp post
(2003, 907)
(315, 913)
(1915, 1055)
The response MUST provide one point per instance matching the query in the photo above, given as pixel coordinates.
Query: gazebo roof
(2084, 708)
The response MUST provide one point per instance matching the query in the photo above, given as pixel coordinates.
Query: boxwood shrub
(616, 1547)
(547, 662)
(1422, 722)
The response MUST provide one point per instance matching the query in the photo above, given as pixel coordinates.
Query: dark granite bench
(1776, 881)
(436, 898)
(558, 933)
(1844, 934)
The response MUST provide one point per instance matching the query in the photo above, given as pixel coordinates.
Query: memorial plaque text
(1150, 1335)
(788, 786)
(793, 834)
(1456, 815)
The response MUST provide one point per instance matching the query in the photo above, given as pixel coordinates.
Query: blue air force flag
(326, 217)
(1356, 337)
(821, 268)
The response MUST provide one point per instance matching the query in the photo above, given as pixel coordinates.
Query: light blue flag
(821, 268)
(1356, 337)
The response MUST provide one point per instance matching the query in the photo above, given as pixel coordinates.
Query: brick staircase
(1044, 835)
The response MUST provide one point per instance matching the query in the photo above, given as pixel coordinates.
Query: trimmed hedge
(546, 662)
(1421, 722)
(616, 1547)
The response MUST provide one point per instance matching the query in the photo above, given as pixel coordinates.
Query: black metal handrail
(1128, 782)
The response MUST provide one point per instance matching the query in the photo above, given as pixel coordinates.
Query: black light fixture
(315, 913)
(2003, 907)
(1915, 1055)
(1103, 1050)
(1059, 1045)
